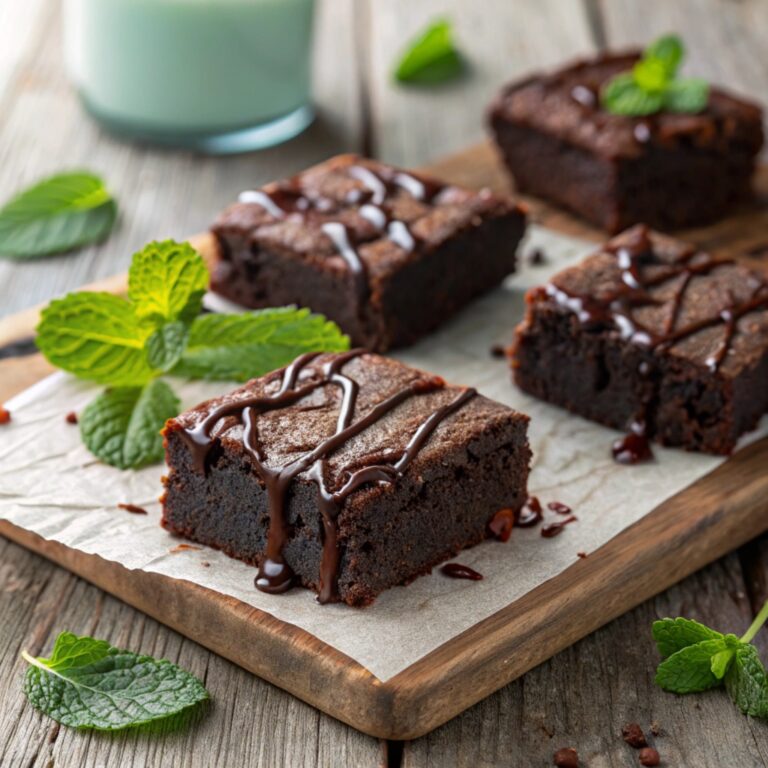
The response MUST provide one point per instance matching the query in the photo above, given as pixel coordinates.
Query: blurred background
(166, 192)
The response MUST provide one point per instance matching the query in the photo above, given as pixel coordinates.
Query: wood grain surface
(581, 696)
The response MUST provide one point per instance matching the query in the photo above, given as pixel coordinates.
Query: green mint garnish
(126, 344)
(431, 58)
(87, 683)
(240, 347)
(698, 658)
(653, 86)
(122, 425)
(57, 214)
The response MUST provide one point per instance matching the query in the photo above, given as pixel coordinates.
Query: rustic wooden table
(579, 698)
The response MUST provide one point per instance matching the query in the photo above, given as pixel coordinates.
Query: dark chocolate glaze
(459, 571)
(275, 575)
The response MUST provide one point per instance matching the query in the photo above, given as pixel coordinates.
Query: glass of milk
(211, 75)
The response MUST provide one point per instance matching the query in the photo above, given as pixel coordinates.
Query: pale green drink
(194, 71)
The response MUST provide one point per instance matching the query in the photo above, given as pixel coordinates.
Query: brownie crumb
(649, 756)
(205, 564)
(5, 415)
(182, 548)
(498, 350)
(567, 757)
(71, 418)
(582, 555)
(133, 509)
(537, 257)
(633, 734)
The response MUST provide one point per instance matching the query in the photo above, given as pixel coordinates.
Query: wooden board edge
(287, 656)
(710, 518)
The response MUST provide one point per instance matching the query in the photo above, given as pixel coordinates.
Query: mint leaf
(746, 682)
(689, 670)
(672, 635)
(623, 96)
(432, 57)
(166, 282)
(650, 75)
(240, 347)
(668, 51)
(95, 336)
(689, 96)
(87, 683)
(166, 345)
(122, 426)
(721, 661)
(56, 215)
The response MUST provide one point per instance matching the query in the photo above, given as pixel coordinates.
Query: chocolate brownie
(666, 170)
(347, 473)
(651, 334)
(388, 254)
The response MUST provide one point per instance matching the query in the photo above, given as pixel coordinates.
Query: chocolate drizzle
(289, 199)
(275, 575)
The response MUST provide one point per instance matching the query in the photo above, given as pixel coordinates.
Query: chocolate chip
(567, 757)
(71, 418)
(649, 756)
(633, 734)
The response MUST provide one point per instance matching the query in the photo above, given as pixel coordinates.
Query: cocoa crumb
(498, 350)
(567, 757)
(205, 564)
(133, 509)
(182, 548)
(537, 257)
(633, 734)
(649, 756)
(71, 418)
(5, 415)
(582, 555)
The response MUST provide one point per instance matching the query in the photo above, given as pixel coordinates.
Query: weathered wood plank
(250, 722)
(583, 696)
(161, 193)
(501, 40)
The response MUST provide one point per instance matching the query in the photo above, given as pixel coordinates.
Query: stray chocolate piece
(498, 351)
(387, 254)
(649, 757)
(567, 757)
(582, 555)
(537, 257)
(5, 415)
(133, 509)
(347, 473)
(633, 734)
(459, 571)
(71, 418)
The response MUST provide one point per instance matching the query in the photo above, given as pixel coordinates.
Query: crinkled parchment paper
(51, 485)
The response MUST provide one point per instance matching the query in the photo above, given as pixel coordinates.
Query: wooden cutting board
(717, 514)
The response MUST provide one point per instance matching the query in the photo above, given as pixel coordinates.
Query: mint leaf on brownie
(86, 683)
(122, 426)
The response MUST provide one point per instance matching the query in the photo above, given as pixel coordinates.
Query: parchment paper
(51, 485)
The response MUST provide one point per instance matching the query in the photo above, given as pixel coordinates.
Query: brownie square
(387, 254)
(651, 334)
(347, 473)
(665, 170)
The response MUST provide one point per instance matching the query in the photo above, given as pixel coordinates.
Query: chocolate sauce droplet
(531, 514)
(501, 524)
(550, 530)
(634, 447)
(458, 571)
(559, 508)
(274, 577)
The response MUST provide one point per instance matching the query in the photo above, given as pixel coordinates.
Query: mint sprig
(86, 683)
(56, 215)
(653, 85)
(126, 344)
(699, 658)
(432, 57)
